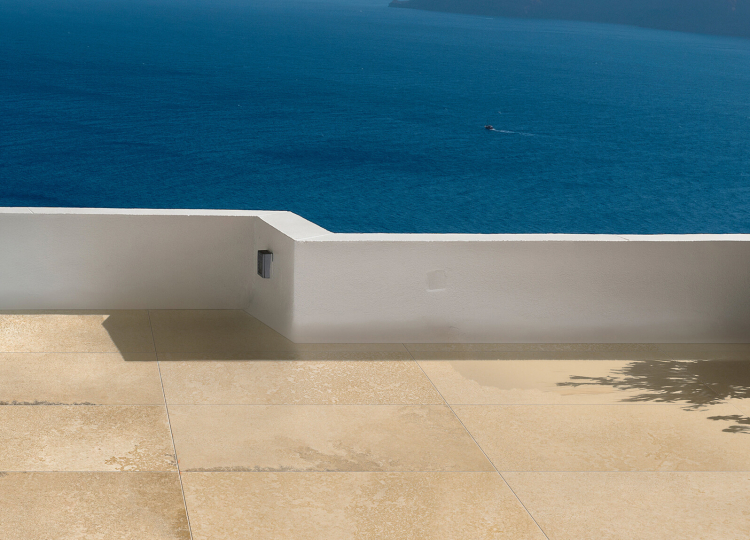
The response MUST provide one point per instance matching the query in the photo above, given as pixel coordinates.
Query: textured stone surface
(213, 332)
(333, 506)
(85, 438)
(565, 381)
(646, 506)
(73, 378)
(75, 331)
(537, 351)
(297, 382)
(322, 438)
(607, 437)
(242, 398)
(88, 506)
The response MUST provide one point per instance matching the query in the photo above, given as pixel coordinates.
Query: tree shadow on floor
(695, 384)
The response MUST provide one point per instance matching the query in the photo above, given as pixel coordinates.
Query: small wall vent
(264, 263)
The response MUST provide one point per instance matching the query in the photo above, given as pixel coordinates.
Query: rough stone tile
(729, 380)
(85, 438)
(333, 506)
(537, 351)
(295, 351)
(122, 331)
(214, 332)
(646, 506)
(322, 438)
(707, 351)
(79, 378)
(607, 437)
(351, 351)
(236, 335)
(567, 381)
(297, 382)
(83, 506)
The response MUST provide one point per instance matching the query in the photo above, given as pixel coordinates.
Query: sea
(364, 118)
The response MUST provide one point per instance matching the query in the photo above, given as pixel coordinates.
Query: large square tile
(642, 506)
(729, 380)
(707, 351)
(567, 381)
(212, 332)
(607, 437)
(79, 378)
(322, 438)
(297, 382)
(83, 506)
(537, 351)
(85, 438)
(342, 506)
(122, 331)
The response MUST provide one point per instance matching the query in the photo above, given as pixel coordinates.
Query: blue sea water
(365, 118)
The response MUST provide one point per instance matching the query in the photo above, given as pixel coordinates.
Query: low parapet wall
(328, 287)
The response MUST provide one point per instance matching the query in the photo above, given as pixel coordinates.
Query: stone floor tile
(236, 335)
(123, 331)
(322, 438)
(84, 506)
(297, 382)
(351, 351)
(342, 506)
(214, 332)
(729, 380)
(643, 506)
(607, 437)
(537, 351)
(566, 381)
(85, 438)
(707, 351)
(79, 378)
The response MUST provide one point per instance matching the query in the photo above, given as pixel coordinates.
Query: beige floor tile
(333, 506)
(729, 380)
(322, 438)
(567, 381)
(87, 506)
(707, 351)
(295, 351)
(75, 331)
(85, 438)
(350, 351)
(537, 351)
(297, 382)
(236, 335)
(214, 332)
(643, 506)
(79, 378)
(607, 437)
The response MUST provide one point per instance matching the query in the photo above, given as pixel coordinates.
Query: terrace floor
(209, 425)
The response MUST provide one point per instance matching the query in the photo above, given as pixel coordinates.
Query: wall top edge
(129, 211)
(549, 237)
(288, 223)
(300, 229)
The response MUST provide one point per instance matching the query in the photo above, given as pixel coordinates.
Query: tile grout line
(478, 446)
(344, 471)
(171, 434)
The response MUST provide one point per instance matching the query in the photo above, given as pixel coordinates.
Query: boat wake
(513, 132)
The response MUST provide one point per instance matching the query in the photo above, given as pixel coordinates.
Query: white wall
(380, 287)
(110, 259)
(545, 288)
(272, 300)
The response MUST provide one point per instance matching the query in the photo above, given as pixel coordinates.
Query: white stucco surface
(95, 259)
(328, 287)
